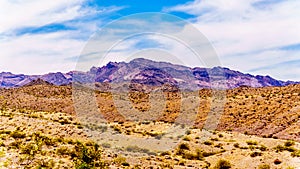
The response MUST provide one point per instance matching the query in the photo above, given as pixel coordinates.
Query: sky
(251, 36)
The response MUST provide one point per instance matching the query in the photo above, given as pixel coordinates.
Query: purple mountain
(148, 72)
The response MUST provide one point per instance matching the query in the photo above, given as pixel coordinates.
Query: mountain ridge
(148, 71)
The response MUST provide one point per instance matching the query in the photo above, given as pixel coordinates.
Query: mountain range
(147, 72)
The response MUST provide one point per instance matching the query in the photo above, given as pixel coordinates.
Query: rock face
(149, 72)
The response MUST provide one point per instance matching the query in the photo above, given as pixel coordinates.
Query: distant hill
(151, 73)
(38, 82)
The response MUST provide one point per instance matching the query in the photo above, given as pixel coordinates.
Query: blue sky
(252, 36)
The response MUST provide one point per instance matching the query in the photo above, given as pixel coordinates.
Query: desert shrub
(264, 166)
(290, 149)
(207, 154)
(2, 144)
(159, 136)
(263, 148)
(250, 142)
(186, 138)
(295, 153)
(64, 150)
(2, 153)
(48, 140)
(230, 129)
(5, 132)
(86, 157)
(117, 129)
(214, 139)
(252, 147)
(184, 146)
(182, 162)
(290, 167)
(197, 155)
(30, 150)
(289, 143)
(192, 156)
(279, 148)
(17, 134)
(15, 144)
(236, 145)
(120, 160)
(219, 145)
(208, 143)
(223, 164)
(45, 163)
(255, 154)
(165, 153)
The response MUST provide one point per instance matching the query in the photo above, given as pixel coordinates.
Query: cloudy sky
(252, 36)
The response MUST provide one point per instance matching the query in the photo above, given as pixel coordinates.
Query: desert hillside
(271, 112)
(39, 128)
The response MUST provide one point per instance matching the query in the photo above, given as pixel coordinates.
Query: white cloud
(40, 53)
(248, 34)
(37, 53)
(16, 14)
